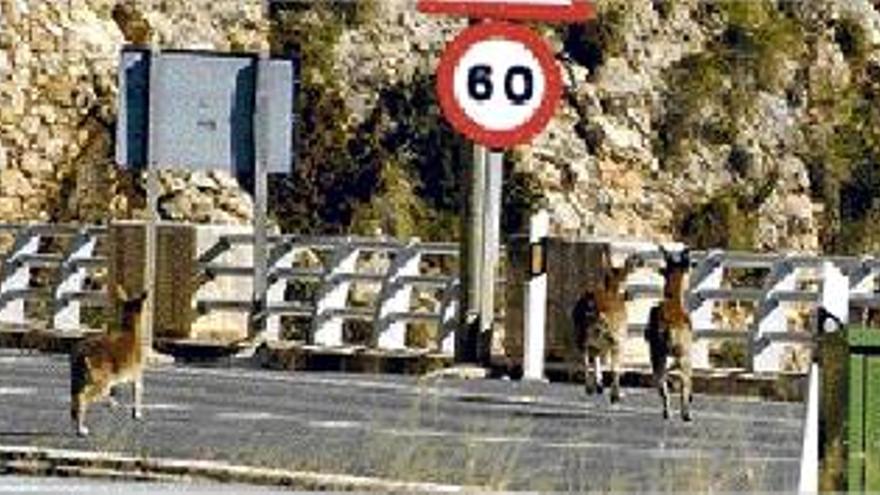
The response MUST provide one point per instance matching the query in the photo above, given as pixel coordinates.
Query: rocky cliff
(58, 63)
(732, 124)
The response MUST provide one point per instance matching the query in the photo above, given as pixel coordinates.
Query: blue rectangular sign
(203, 106)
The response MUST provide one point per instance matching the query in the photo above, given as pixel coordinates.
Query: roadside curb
(64, 462)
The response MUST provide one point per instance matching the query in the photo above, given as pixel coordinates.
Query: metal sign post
(467, 336)
(261, 171)
(200, 111)
(491, 248)
(481, 244)
(150, 242)
(499, 85)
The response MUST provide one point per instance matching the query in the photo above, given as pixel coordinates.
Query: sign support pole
(471, 260)
(480, 247)
(261, 136)
(494, 173)
(150, 241)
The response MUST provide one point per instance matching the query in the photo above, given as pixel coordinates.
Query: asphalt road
(492, 433)
(33, 485)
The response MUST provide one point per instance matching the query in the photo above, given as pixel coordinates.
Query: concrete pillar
(15, 276)
(395, 298)
(449, 317)
(71, 278)
(536, 298)
(834, 296)
(707, 275)
(771, 319)
(282, 256)
(808, 482)
(333, 297)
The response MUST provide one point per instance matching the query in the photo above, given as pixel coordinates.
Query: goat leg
(686, 387)
(615, 375)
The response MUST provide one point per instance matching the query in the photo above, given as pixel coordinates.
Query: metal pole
(261, 136)
(471, 260)
(808, 482)
(494, 168)
(150, 242)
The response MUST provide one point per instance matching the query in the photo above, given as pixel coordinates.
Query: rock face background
(58, 63)
(635, 148)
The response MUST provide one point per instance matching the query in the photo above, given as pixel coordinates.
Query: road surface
(491, 433)
(33, 485)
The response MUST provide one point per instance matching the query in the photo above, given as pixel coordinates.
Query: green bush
(728, 220)
(850, 36)
(712, 92)
(843, 155)
(731, 354)
(591, 44)
(696, 85)
(521, 196)
(721, 223)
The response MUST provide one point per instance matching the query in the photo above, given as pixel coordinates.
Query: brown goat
(600, 323)
(669, 332)
(98, 363)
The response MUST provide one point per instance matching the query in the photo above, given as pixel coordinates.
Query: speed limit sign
(498, 84)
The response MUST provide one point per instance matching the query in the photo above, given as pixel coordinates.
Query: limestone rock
(14, 183)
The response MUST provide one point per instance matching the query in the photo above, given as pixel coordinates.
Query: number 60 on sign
(498, 84)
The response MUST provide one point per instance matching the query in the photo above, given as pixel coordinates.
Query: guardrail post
(449, 308)
(536, 298)
(282, 256)
(71, 276)
(771, 319)
(327, 329)
(15, 277)
(708, 275)
(834, 291)
(808, 481)
(395, 298)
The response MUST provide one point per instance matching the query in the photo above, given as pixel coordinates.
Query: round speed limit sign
(498, 84)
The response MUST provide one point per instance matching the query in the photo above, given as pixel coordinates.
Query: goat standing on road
(100, 362)
(600, 322)
(669, 332)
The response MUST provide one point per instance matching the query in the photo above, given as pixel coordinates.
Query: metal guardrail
(335, 274)
(70, 266)
(337, 270)
(772, 298)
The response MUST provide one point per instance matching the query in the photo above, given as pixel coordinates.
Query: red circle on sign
(454, 111)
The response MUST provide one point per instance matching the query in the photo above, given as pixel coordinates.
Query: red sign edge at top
(577, 11)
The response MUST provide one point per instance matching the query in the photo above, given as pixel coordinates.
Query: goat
(600, 322)
(100, 362)
(669, 331)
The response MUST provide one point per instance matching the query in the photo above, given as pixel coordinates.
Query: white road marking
(396, 432)
(17, 390)
(244, 416)
(466, 437)
(15, 359)
(298, 379)
(492, 440)
(343, 425)
(166, 407)
(580, 445)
